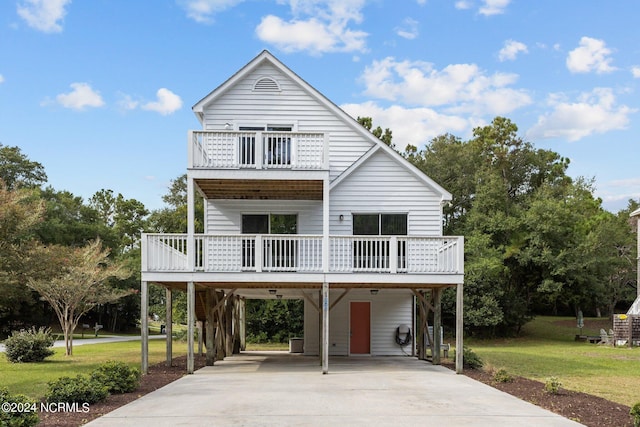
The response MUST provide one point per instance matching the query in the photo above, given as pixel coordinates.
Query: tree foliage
(16, 170)
(536, 241)
(73, 280)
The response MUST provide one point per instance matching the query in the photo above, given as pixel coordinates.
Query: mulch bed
(586, 409)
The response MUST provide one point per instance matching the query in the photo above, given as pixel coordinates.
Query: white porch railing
(258, 150)
(303, 253)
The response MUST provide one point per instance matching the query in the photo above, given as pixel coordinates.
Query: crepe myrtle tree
(74, 280)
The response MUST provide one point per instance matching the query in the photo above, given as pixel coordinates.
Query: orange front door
(360, 342)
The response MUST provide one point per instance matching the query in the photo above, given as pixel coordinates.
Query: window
(278, 253)
(372, 253)
(380, 224)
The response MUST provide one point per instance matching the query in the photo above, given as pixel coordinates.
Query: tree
(173, 219)
(74, 280)
(16, 170)
(126, 217)
(385, 136)
(20, 211)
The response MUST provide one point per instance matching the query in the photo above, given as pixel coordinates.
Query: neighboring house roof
(635, 213)
(265, 55)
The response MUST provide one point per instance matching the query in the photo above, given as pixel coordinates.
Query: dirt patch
(586, 409)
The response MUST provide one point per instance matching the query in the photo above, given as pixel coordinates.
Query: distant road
(104, 339)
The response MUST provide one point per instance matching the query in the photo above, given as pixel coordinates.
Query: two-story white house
(301, 201)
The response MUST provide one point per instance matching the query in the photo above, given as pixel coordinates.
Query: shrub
(79, 389)
(502, 376)
(31, 345)
(469, 358)
(635, 413)
(552, 385)
(118, 377)
(25, 413)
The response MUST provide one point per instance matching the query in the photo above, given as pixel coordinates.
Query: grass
(547, 348)
(31, 378)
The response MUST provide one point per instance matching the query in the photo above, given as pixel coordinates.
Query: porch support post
(459, 327)
(169, 325)
(144, 326)
(200, 329)
(420, 329)
(210, 327)
(191, 244)
(437, 324)
(243, 324)
(191, 309)
(325, 327)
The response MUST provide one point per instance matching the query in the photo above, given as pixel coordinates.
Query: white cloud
(126, 102)
(43, 15)
(203, 10)
(591, 55)
(167, 102)
(81, 97)
(463, 4)
(493, 7)
(409, 29)
(511, 50)
(635, 70)
(592, 112)
(1, 78)
(459, 88)
(415, 126)
(318, 26)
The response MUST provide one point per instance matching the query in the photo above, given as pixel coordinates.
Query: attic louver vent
(266, 84)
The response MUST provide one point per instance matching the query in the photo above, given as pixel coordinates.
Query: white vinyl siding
(291, 105)
(381, 185)
(389, 309)
(225, 216)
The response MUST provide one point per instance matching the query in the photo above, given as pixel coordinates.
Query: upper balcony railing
(258, 150)
(303, 253)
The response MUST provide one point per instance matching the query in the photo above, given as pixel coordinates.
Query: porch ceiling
(261, 189)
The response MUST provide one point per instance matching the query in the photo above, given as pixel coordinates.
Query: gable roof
(635, 213)
(377, 144)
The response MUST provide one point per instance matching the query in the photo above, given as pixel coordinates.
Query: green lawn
(31, 378)
(547, 348)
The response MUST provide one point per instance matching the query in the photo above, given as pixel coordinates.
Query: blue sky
(100, 91)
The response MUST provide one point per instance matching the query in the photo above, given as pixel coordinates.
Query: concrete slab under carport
(276, 389)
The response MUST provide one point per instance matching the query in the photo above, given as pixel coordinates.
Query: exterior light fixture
(374, 292)
(279, 296)
(273, 291)
(341, 217)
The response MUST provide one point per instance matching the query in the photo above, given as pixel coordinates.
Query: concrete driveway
(276, 389)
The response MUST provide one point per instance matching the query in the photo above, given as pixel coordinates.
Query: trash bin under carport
(296, 345)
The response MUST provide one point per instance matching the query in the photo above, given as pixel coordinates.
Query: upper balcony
(305, 151)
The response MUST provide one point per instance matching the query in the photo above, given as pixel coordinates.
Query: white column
(191, 244)
(191, 317)
(144, 325)
(459, 327)
(325, 327)
(325, 225)
(169, 325)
